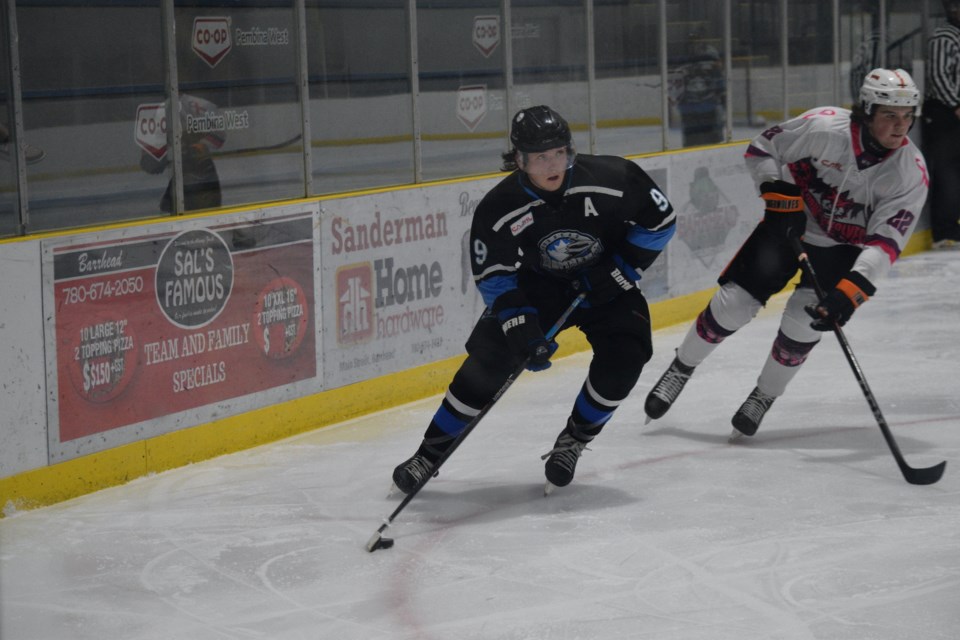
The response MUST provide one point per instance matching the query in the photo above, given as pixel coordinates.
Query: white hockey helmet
(890, 87)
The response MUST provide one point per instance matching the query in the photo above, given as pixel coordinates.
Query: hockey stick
(913, 475)
(376, 540)
(269, 147)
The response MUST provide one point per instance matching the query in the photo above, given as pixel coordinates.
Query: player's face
(546, 168)
(889, 125)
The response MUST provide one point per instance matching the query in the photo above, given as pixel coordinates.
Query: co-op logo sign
(211, 39)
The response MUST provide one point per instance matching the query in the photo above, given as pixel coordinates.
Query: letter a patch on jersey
(589, 209)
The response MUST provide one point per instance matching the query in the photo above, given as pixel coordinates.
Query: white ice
(806, 531)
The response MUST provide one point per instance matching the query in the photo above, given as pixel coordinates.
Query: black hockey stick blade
(913, 475)
(923, 475)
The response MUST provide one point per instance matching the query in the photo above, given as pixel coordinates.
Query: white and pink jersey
(851, 196)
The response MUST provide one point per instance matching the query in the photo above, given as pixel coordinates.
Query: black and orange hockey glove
(783, 208)
(838, 305)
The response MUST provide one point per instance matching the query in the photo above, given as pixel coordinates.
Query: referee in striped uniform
(941, 128)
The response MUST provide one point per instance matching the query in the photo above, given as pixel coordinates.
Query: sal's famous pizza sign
(153, 325)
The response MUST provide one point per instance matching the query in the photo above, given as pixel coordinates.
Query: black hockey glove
(521, 326)
(838, 305)
(783, 208)
(525, 337)
(605, 281)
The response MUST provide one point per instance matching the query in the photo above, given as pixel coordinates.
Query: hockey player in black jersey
(558, 225)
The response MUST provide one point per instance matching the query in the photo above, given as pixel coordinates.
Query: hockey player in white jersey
(851, 184)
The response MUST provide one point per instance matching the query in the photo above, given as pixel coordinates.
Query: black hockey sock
(448, 422)
(435, 443)
(583, 432)
(590, 413)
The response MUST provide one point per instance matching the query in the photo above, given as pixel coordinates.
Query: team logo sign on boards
(354, 303)
(210, 39)
(486, 34)
(151, 129)
(472, 105)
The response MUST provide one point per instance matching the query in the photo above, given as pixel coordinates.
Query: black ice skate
(408, 474)
(747, 419)
(668, 387)
(562, 459)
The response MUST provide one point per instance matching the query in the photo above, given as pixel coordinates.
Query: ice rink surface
(806, 531)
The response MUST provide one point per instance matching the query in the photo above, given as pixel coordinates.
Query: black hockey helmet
(538, 129)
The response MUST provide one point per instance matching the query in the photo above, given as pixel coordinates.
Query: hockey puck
(377, 542)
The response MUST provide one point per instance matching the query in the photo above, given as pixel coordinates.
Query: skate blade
(548, 488)
(647, 421)
(393, 490)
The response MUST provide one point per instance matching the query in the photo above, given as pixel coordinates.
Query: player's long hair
(858, 113)
(509, 160)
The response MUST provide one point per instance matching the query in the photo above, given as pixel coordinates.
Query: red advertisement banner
(158, 324)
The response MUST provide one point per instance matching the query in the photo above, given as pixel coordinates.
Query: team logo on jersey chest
(567, 250)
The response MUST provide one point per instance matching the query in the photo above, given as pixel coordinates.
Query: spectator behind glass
(702, 96)
(201, 184)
